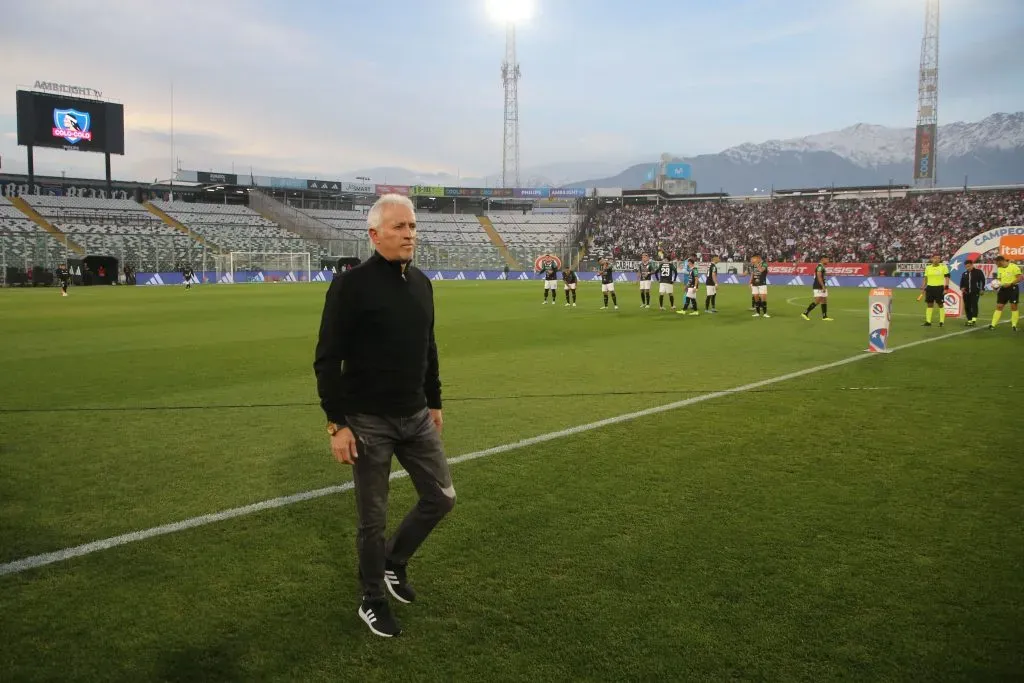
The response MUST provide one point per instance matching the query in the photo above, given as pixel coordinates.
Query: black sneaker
(942, 324)
(926, 324)
(398, 583)
(377, 615)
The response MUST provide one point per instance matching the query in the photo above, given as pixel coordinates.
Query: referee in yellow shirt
(936, 282)
(1009, 277)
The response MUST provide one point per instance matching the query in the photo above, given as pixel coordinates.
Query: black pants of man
(971, 306)
(417, 445)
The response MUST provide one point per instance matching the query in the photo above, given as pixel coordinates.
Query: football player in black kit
(64, 278)
(644, 272)
(189, 275)
(569, 279)
(608, 283)
(759, 286)
(667, 273)
(819, 291)
(550, 268)
(711, 286)
(692, 285)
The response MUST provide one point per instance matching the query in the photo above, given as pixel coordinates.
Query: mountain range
(986, 152)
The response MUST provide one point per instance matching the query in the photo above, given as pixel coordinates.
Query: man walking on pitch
(63, 278)
(972, 286)
(936, 282)
(711, 287)
(377, 375)
(569, 279)
(644, 271)
(1008, 277)
(819, 292)
(189, 275)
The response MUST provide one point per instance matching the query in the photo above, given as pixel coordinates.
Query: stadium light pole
(926, 139)
(510, 13)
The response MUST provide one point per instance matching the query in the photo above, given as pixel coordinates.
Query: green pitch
(863, 522)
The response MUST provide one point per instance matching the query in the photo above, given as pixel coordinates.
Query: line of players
(666, 273)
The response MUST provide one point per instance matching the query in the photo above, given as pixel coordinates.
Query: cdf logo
(877, 309)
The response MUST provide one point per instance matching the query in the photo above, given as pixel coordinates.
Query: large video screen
(70, 123)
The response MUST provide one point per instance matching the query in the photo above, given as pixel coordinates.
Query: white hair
(373, 217)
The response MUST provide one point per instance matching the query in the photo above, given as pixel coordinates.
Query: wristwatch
(333, 428)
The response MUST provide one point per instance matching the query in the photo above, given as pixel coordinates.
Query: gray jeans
(417, 445)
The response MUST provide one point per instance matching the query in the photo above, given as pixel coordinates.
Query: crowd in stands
(905, 229)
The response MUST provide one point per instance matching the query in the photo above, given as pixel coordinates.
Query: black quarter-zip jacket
(972, 281)
(376, 354)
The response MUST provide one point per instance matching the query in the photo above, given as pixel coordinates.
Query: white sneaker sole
(395, 595)
(366, 620)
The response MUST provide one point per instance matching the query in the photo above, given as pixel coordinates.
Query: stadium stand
(528, 235)
(23, 243)
(445, 240)
(237, 228)
(121, 228)
(850, 230)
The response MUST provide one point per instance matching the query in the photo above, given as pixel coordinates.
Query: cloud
(320, 88)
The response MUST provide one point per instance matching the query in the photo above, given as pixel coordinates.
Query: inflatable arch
(1010, 237)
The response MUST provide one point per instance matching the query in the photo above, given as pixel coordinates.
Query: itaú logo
(1012, 247)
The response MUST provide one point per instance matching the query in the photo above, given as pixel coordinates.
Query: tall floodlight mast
(511, 13)
(510, 138)
(926, 140)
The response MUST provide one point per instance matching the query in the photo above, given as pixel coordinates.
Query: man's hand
(343, 446)
(438, 418)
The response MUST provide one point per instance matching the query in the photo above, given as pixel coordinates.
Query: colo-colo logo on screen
(72, 125)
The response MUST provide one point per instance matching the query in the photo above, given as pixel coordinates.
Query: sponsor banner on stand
(910, 268)
(568, 192)
(357, 188)
(427, 191)
(678, 171)
(221, 178)
(324, 185)
(532, 192)
(392, 189)
(863, 269)
(924, 152)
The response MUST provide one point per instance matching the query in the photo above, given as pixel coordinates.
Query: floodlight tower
(510, 139)
(926, 142)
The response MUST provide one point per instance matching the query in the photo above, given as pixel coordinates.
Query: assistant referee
(936, 282)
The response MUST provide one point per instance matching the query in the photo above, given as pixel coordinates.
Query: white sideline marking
(792, 301)
(34, 561)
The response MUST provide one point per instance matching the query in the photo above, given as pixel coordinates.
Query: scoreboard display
(46, 120)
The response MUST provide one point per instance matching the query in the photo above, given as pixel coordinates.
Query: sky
(322, 88)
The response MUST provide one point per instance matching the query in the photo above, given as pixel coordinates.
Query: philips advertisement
(568, 193)
(69, 123)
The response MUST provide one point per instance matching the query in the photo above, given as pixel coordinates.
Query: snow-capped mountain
(986, 152)
(868, 145)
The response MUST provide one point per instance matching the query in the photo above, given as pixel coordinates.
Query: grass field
(861, 522)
